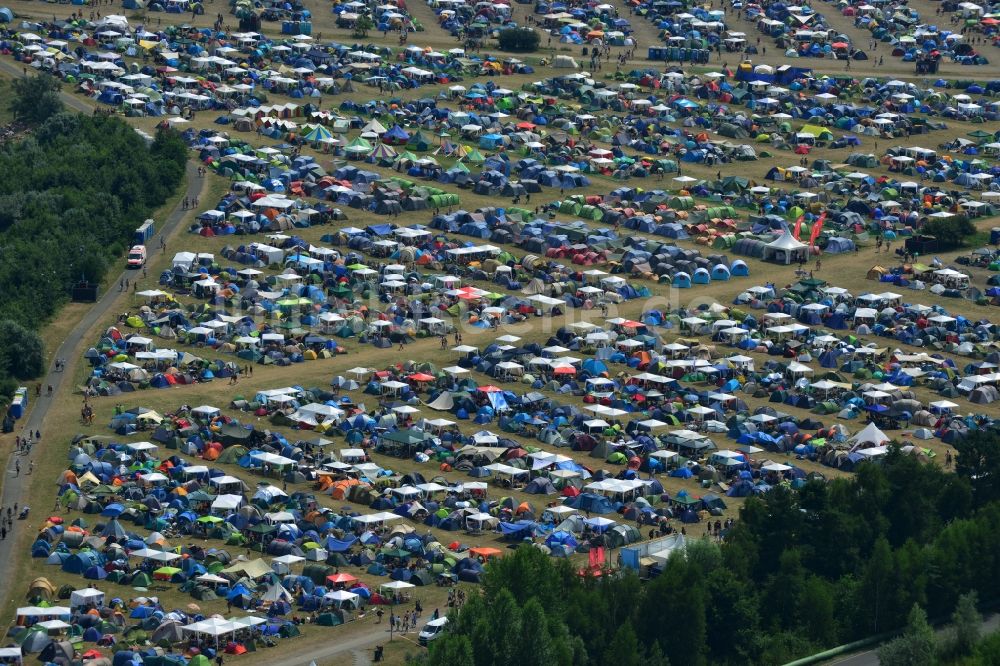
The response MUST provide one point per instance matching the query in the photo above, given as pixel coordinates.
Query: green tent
(141, 579)
(570, 207)
(360, 144)
(232, 454)
(328, 620)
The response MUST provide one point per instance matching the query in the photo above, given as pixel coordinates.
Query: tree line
(73, 191)
(801, 571)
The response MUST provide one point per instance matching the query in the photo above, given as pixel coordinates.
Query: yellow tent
(817, 131)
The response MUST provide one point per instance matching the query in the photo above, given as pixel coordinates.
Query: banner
(798, 226)
(817, 227)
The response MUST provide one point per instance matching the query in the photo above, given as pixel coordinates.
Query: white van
(432, 630)
(137, 256)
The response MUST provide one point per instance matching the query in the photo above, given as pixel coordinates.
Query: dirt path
(16, 486)
(357, 650)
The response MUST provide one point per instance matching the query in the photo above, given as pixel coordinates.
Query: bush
(915, 647)
(21, 354)
(950, 232)
(522, 40)
(962, 638)
(362, 26)
(35, 98)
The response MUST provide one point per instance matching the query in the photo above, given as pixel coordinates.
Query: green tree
(7, 387)
(916, 647)
(817, 611)
(959, 556)
(623, 650)
(876, 593)
(783, 646)
(534, 644)
(979, 461)
(776, 521)
(521, 40)
(673, 613)
(704, 555)
(780, 597)
(452, 649)
(362, 26)
(950, 232)
(529, 573)
(966, 626)
(988, 650)
(35, 99)
(21, 354)
(655, 657)
(732, 613)
(495, 622)
(73, 192)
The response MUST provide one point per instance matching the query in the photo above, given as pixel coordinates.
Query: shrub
(522, 40)
(950, 232)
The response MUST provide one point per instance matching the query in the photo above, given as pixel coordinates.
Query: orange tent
(341, 488)
(643, 356)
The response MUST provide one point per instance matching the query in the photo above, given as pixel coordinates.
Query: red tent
(421, 377)
(341, 579)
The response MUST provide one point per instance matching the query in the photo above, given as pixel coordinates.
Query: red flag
(798, 226)
(817, 227)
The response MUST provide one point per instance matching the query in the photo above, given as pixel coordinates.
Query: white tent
(786, 250)
(870, 435)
